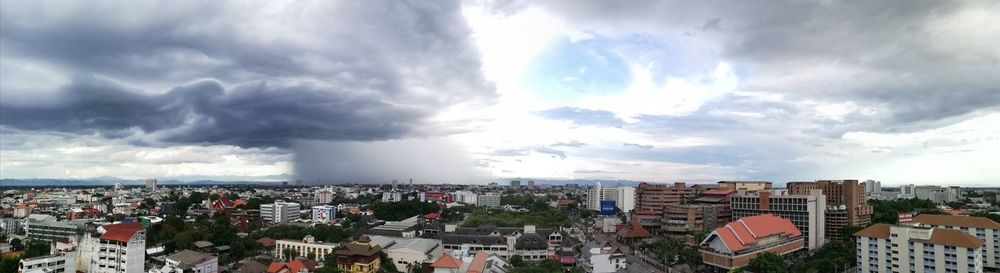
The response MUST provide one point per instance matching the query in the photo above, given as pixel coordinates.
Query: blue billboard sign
(608, 207)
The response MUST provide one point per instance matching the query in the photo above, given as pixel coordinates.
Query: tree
(386, 266)
(290, 254)
(16, 244)
(516, 261)
(767, 262)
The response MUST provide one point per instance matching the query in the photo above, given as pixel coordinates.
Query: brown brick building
(846, 204)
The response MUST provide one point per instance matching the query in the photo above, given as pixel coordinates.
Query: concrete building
(805, 211)
(873, 187)
(488, 200)
(151, 185)
(533, 244)
(907, 191)
(114, 248)
(738, 242)
(531, 184)
(392, 196)
(54, 263)
(189, 261)
(624, 197)
(466, 197)
(515, 183)
(413, 253)
(307, 247)
(682, 221)
(324, 214)
(279, 212)
(721, 198)
(653, 197)
(406, 228)
(47, 228)
(603, 259)
(846, 203)
(745, 185)
(895, 248)
(324, 197)
(982, 228)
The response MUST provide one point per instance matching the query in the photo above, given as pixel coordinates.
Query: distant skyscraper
(515, 183)
(151, 185)
(874, 188)
(394, 183)
(907, 191)
(531, 184)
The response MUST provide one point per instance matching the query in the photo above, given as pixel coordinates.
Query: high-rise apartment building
(151, 185)
(654, 197)
(805, 211)
(982, 228)
(873, 188)
(515, 183)
(846, 203)
(916, 249)
(907, 191)
(624, 197)
(279, 212)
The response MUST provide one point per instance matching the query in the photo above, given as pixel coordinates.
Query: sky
(477, 91)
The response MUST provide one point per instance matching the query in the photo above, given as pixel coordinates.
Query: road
(635, 264)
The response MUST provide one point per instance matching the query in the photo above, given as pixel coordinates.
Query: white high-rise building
(151, 185)
(907, 191)
(391, 197)
(873, 188)
(56, 263)
(897, 248)
(279, 212)
(466, 197)
(624, 197)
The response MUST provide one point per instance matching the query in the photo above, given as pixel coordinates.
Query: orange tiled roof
(634, 230)
(478, 264)
(874, 231)
(275, 267)
(296, 266)
(741, 233)
(447, 261)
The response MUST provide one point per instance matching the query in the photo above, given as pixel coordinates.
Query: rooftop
(745, 232)
(956, 221)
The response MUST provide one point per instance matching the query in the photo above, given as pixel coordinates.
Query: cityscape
(499, 136)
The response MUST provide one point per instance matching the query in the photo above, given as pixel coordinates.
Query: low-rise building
(481, 262)
(114, 248)
(307, 247)
(279, 212)
(324, 214)
(187, 261)
(488, 200)
(603, 259)
(412, 253)
(55, 263)
(738, 242)
(361, 256)
(533, 244)
(906, 248)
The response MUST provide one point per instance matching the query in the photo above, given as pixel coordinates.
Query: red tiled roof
(634, 230)
(266, 241)
(120, 232)
(275, 267)
(296, 266)
(478, 264)
(741, 233)
(447, 261)
(433, 216)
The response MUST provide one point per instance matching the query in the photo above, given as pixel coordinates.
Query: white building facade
(279, 212)
(324, 214)
(894, 248)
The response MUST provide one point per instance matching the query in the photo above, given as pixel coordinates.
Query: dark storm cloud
(262, 76)
(914, 61)
(581, 116)
(249, 115)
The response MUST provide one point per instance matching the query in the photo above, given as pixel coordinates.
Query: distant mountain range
(110, 180)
